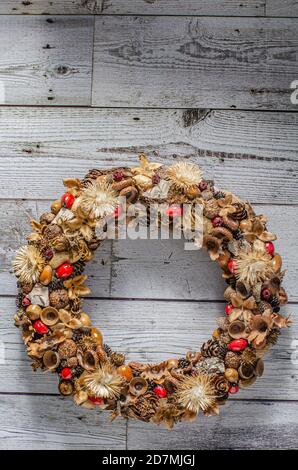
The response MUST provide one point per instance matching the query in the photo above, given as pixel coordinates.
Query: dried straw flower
(184, 175)
(28, 264)
(253, 266)
(104, 382)
(97, 200)
(196, 393)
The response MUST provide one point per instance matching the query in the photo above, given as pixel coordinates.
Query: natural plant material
(253, 266)
(104, 382)
(28, 264)
(184, 175)
(196, 393)
(97, 200)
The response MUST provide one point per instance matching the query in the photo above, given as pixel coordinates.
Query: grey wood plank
(149, 331)
(282, 8)
(45, 422)
(147, 268)
(252, 153)
(241, 425)
(140, 7)
(46, 61)
(169, 62)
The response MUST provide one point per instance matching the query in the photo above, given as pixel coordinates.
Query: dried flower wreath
(60, 338)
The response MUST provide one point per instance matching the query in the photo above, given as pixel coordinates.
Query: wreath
(59, 335)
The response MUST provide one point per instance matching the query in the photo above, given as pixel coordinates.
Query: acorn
(85, 319)
(46, 275)
(246, 371)
(33, 312)
(126, 372)
(96, 335)
(231, 375)
(56, 206)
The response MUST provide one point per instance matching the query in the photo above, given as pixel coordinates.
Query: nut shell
(46, 275)
(33, 311)
(51, 360)
(49, 316)
(231, 375)
(138, 386)
(66, 387)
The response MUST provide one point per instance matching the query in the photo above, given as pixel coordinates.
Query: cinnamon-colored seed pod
(51, 359)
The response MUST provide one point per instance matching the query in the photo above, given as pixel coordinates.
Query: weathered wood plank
(149, 331)
(147, 268)
(253, 153)
(194, 62)
(284, 8)
(241, 425)
(21, 428)
(140, 7)
(46, 61)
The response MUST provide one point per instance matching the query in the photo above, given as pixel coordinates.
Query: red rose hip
(26, 302)
(67, 200)
(269, 247)
(217, 221)
(96, 400)
(234, 388)
(231, 266)
(229, 308)
(66, 373)
(266, 294)
(64, 270)
(160, 391)
(237, 345)
(174, 211)
(40, 327)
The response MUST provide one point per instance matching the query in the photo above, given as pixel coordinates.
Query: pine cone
(56, 284)
(19, 299)
(117, 359)
(91, 176)
(273, 336)
(107, 349)
(232, 360)
(77, 335)
(221, 386)
(78, 268)
(248, 356)
(213, 348)
(183, 363)
(59, 298)
(274, 301)
(241, 212)
(219, 195)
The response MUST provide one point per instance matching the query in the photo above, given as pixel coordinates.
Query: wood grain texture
(35, 422)
(241, 425)
(139, 7)
(46, 60)
(194, 62)
(253, 153)
(150, 331)
(147, 268)
(282, 8)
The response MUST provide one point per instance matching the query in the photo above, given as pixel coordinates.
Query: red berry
(266, 294)
(231, 266)
(160, 391)
(26, 302)
(174, 211)
(40, 327)
(229, 308)
(234, 388)
(67, 200)
(48, 254)
(155, 178)
(64, 270)
(203, 185)
(118, 175)
(96, 400)
(237, 345)
(217, 221)
(269, 247)
(66, 373)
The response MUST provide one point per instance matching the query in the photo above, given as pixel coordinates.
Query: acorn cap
(49, 316)
(247, 382)
(51, 359)
(138, 386)
(259, 368)
(246, 371)
(236, 329)
(66, 387)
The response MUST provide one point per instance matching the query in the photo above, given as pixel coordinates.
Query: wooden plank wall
(87, 83)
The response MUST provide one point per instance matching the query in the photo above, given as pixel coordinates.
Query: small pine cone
(91, 176)
(232, 281)
(211, 209)
(183, 363)
(27, 288)
(78, 268)
(59, 298)
(19, 299)
(241, 212)
(221, 386)
(219, 195)
(117, 359)
(213, 348)
(232, 360)
(273, 336)
(262, 306)
(46, 218)
(102, 356)
(78, 371)
(274, 302)
(72, 362)
(75, 306)
(77, 335)
(248, 356)
(56, 284)
(237, 234)
(107, 349)
(52, 231)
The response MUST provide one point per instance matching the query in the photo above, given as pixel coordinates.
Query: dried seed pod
(51, 360)
(89, 360)
(230, 223)
(211, 209)
(232, 360)
(276, 263)
(49, 316)
(138, 386)
(172, 363)
(194, 357)
(64, 316)
(237, 329)
(52, 231)
(33, 312)
(228, 292)
(246, 371)
(67, 349)
(66, 387)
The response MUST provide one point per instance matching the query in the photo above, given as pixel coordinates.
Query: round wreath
(60, 338)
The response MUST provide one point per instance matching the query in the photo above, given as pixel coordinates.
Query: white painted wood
(150, 331)
(45, 422)
(46, 61)
(241, 425)
(194, 62)
(147, 268)
(282, 8)
(139, 7)
(252, 153)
